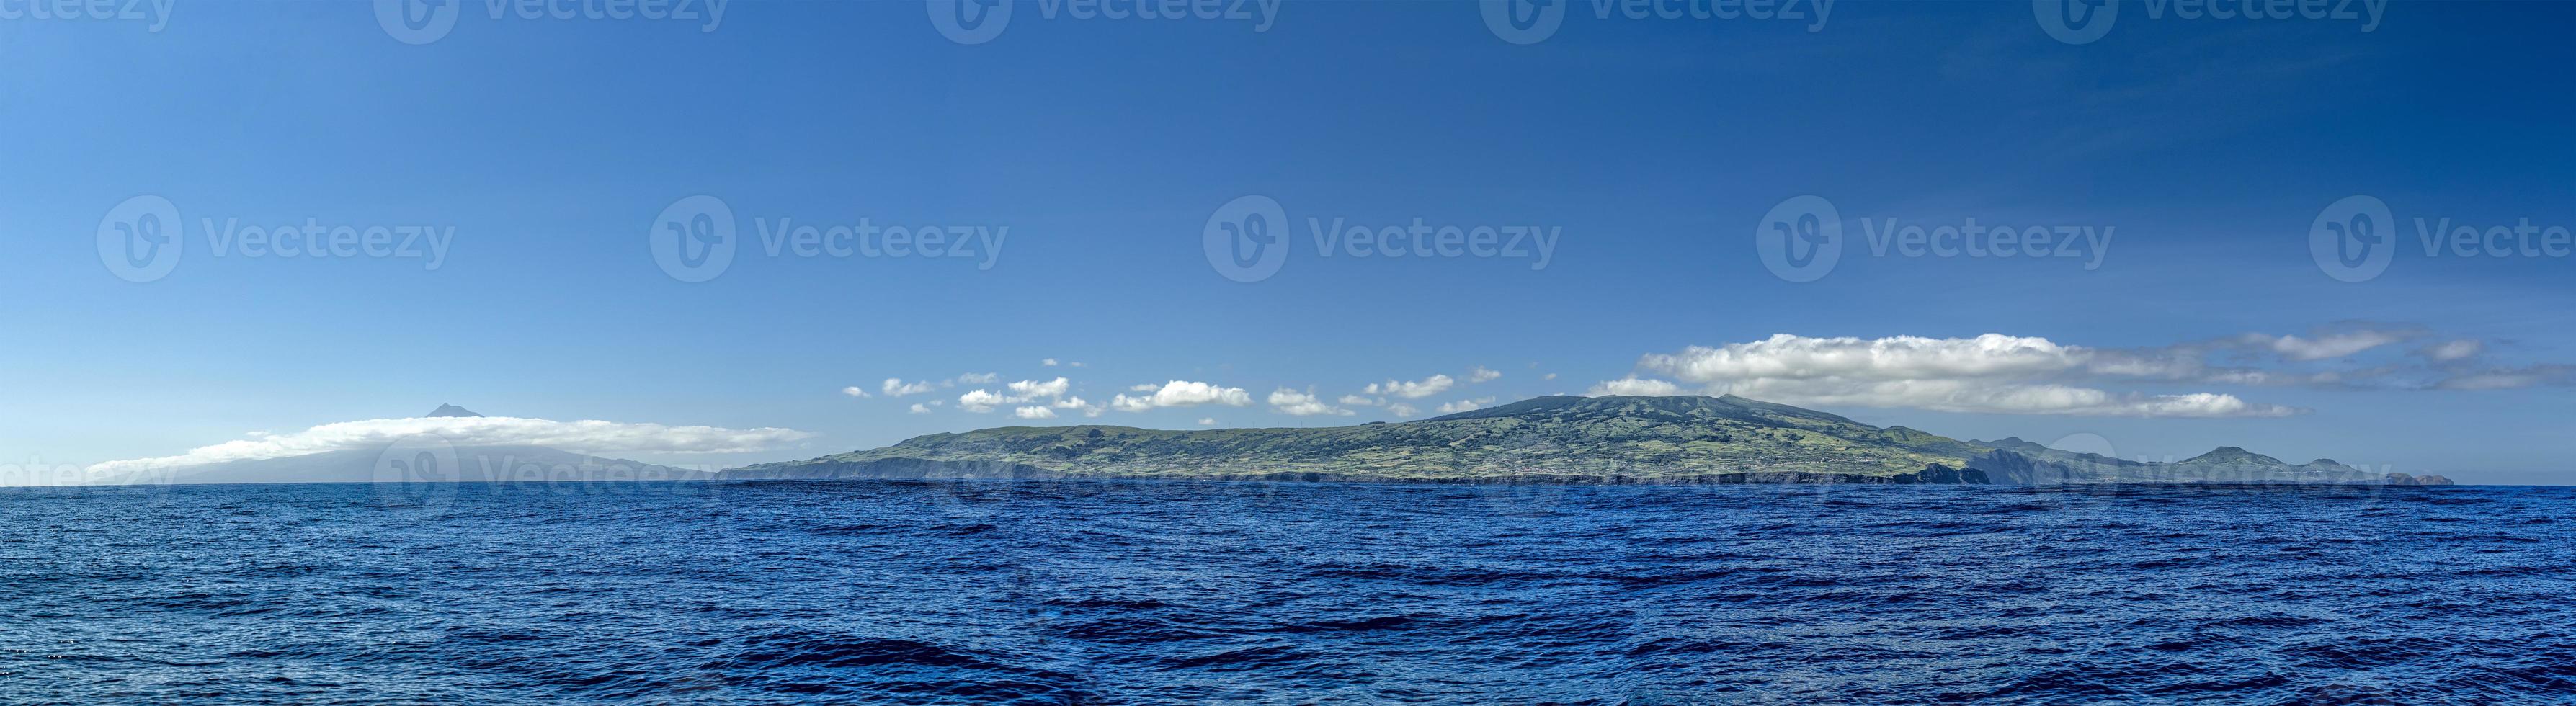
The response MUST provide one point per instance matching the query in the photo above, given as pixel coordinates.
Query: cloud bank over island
(2003, 374)
(588, 436)
(1990, 373)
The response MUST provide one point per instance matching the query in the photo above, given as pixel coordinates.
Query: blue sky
(545, 151)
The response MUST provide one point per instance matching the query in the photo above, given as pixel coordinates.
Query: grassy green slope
(1636, 438)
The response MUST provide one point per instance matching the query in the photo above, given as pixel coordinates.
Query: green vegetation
(1549, 440)
(1562, 439)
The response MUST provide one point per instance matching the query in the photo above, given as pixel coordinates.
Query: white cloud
(2331, 345)
(1050, 362)
(1998, 397)
(1892, 358)
(1181, 393)
(1207, 421)
(1402, 410)
(1033, 413)
(1632, 385)
(1068, 403)
(1465, 405)
(1031, 389)
(1549, 376)
(1359, 401)
(585, 436)
(1992, 373)
(1302, 404)
(2455, 350)
(1482, 374)
(1427, 387)
(979, 378)
(854, 391)
(896, 387)
(980, 401)
(919, 408)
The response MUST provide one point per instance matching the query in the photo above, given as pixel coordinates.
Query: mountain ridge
(1557, 438)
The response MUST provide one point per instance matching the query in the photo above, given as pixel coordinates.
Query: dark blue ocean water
(1126, 592)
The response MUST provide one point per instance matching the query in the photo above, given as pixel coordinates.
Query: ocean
(1117, 592)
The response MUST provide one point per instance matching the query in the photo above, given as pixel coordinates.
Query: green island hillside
(1557, 439)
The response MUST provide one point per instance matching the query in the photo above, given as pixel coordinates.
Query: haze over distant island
(1552, 439)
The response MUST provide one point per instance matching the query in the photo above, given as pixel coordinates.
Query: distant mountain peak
(2233, 455)
(449, 410)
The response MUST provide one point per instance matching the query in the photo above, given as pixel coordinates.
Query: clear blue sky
(1652, 147)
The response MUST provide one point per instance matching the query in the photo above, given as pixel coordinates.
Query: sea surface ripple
(1199, 593)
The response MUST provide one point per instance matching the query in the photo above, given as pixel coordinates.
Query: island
(1554, 439)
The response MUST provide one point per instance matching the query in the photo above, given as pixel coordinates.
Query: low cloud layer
(1992, 373)
(1304, 404)
(2218, 377)
(1180, 393)
(586, 436)
(1425, 387)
